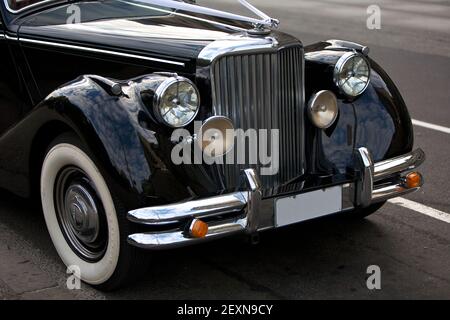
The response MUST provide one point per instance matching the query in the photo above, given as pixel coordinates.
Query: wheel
(362, 213)
(87, 224)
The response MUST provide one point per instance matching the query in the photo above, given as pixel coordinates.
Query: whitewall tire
(66, 155)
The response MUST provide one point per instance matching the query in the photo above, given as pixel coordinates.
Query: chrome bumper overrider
(247, 212)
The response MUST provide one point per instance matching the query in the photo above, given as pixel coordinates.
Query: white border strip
(430, 126)
(420, 208)
(115, 53)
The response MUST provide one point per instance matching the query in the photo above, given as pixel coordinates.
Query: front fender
(118, 130)
(384, 122)
(378, 119)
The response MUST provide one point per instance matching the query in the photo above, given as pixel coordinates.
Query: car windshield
(167, 5)
(17, 5)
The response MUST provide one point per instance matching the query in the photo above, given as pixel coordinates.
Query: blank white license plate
(308, 206)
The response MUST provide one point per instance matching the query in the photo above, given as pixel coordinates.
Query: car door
(11, 89)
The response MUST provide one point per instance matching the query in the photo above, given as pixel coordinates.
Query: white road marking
(430, 126)
(420, 208)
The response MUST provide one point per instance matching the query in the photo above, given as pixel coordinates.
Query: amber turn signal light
(413, 180)
(198, 229)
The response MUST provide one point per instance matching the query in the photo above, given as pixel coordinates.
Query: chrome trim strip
(406, 162)
(364, 187)
(343, 44)
(253, 181)
(2, 36)
(9, 37)
(176, 239)
(88, 49)
(391, 191)
(236, 44)
(228, 203)
(254, 201)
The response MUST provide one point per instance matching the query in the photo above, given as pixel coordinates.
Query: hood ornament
(264, 25)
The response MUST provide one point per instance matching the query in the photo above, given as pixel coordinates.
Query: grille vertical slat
(264, 91)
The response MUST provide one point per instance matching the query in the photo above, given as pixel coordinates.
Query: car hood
(115, 24)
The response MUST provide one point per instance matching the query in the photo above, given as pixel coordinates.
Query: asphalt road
(322, 259)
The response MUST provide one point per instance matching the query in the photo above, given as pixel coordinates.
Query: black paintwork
(378, 119)
(47, 90)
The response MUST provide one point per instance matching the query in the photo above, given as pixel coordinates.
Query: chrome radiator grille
(264, 91)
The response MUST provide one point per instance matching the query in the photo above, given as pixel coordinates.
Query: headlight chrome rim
(312, 102)
(158, 100)
(339, 68)
(202, 131)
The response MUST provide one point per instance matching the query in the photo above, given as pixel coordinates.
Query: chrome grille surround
(258, 83)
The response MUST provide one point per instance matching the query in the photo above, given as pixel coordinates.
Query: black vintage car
(95, 96)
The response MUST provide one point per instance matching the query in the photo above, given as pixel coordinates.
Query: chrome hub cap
(80, 214)
(83, 213)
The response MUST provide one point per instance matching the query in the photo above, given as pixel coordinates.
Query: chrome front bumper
(250, 213)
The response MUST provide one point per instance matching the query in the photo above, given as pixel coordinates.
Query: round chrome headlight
(177, 102)
(352, 74)
(323, 109)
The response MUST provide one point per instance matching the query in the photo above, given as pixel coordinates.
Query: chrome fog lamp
(323, 109)
(177, 102)
(216, 136)
(352, 74)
